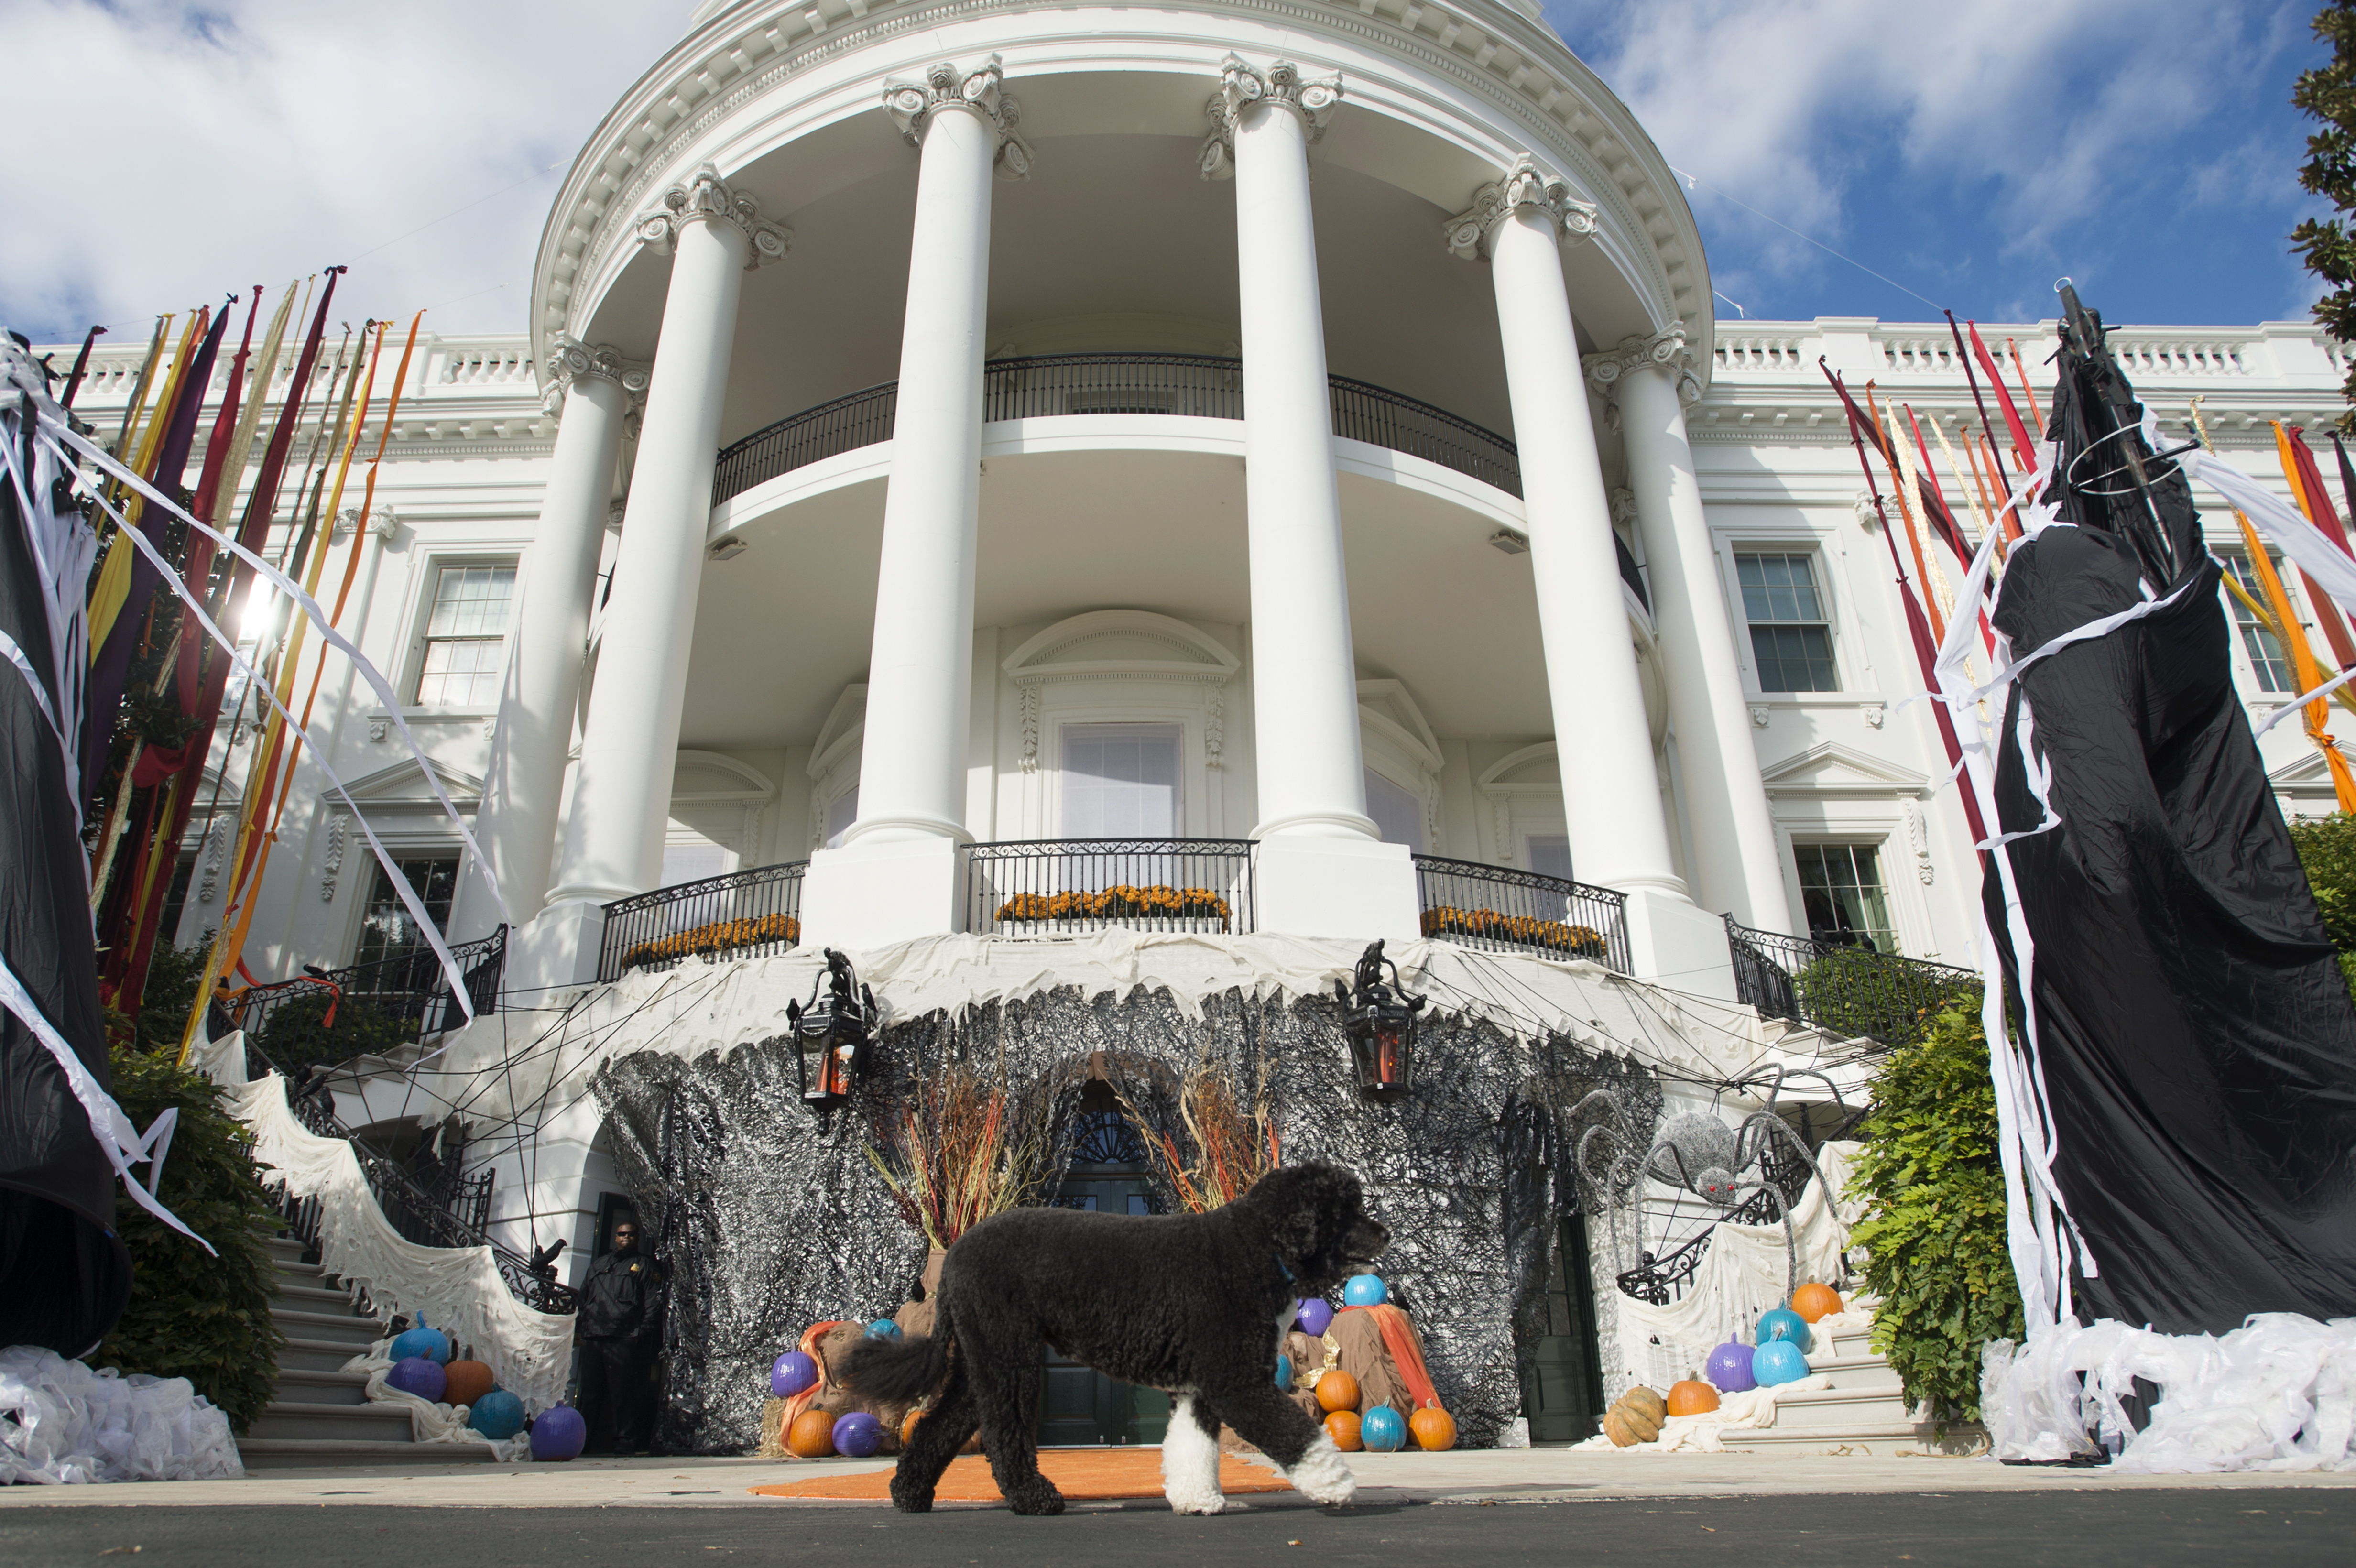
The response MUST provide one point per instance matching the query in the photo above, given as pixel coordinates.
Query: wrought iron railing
(1502, 909)
(1198, 385)
(744, 914)
(1058, 886)
(328, 1016)
(1842, 986)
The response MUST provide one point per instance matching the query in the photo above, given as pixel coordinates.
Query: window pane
(1779, 588)
(1794, 658)
(2266, 657)
(461, 672)
(1550, 854)
(471, 601)
(388, 929)
(1120, 781)
(1840, 887)
(1398, 814)
(1789, 633)
(841, 813)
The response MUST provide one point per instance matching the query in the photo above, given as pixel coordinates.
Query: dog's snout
(1370, 1239)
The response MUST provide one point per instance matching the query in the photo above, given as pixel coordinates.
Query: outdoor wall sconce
(831, 1033)
(1380, 1021)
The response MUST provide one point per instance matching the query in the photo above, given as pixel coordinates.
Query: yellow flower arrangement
(718, 936)
(1554, 936)
(1118, 901)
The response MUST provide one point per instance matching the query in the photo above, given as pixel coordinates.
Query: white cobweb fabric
(1743, 1272)
(456, 1289)
(62, 1423)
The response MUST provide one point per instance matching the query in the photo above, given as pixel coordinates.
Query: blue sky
(1971, 152)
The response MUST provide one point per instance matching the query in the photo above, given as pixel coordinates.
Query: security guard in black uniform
(617, 1326)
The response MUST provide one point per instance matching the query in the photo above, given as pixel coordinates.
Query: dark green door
(1080, 1406)
(1562, 1383)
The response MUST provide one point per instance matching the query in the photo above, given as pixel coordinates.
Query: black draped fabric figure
(2198, 1042)
(64, 1274)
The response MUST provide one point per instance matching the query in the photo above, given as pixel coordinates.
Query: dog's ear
(1309, 1210)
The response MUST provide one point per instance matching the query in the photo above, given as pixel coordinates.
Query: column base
(1355, 888)
(1673, 942)
(873, 892)
(558, 946)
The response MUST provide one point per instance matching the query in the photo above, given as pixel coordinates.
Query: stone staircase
(321, 1418)
(1864, 1412)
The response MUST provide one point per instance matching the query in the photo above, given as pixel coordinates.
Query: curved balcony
(1195, 386)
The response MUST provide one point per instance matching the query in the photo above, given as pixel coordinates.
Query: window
(466, 635)
(1398, 813)
(389, 929)
(1120, 781)
(841, 813)
(1840, 887)
(1790, 634)
(2266, 655)
(693, 861)
(1550, 854)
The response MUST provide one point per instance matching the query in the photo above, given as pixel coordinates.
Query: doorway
(1080, 1407)
(1562, 1381)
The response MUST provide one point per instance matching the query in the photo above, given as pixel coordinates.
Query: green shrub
(1856, 991)
(1933, 1190)
(2327, 849)
(203, 1319)
(297, 1034)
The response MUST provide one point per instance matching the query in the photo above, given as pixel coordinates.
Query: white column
(897, 875)
(1611, 785)
(613, 844)
(1740, 868)
(523, 785)
(1320, 868)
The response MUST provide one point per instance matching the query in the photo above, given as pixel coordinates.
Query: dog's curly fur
(1190, 1304)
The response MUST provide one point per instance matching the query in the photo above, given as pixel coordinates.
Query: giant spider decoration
(1698, 1154)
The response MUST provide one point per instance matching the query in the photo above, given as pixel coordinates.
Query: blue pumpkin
(498, 1414)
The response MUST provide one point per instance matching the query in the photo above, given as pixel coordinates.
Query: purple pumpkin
(558, 1432)
(1730, 1368)
(417, 1375)
(1316, 1316)
(791, 1373)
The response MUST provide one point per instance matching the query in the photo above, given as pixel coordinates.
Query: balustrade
(1507, 909)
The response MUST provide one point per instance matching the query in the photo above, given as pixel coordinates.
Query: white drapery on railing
(456, 1289)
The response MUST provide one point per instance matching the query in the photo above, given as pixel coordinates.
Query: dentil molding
(704, 198)
(912, 104)
(570, 360)
(1524, 186)
(1662, 351)
(1240, 87)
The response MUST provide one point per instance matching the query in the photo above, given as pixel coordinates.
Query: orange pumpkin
(1342, 1426)
(1337, 1390)
(1691, 1398)
(1433, 1429)
(469, 1382)
(1812, 1301)
(811, 1436)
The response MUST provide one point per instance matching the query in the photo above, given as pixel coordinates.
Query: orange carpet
(1080, 1474)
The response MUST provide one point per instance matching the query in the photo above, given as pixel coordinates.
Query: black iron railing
(1842, 986)
(328, 1016)
(1502, 909)
(1197, 386)
(745, 915)
(1057, 887)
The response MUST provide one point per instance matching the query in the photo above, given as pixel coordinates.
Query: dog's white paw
(1190, 1463)
(1322, 1474)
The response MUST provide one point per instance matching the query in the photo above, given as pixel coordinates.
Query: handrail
(1054, 887)
(1502, 907)
(1198, 385)
(380, 1005)
(744, 913)
(1843, 986)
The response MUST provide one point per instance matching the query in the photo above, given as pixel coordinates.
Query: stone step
(333, 1454)
(1844, 1407)
(348, 1423)
(313, 1355)
(316, 1385)
(343, 1329)
(313, 1297)
(1849, 1342)
(1854, 1372)
(1872, 1440)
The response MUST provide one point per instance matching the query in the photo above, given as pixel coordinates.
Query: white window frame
(420, 617)
(1829, 602)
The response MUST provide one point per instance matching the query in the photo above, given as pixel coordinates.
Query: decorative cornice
(569, 360)
(1240, 87)
(1524, 186)
(382, 523)
(1663, 351)
(704, 197)
(913, 104)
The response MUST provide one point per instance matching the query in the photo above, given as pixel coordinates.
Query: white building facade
(1290, 439)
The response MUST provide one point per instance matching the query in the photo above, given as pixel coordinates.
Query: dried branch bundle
(1226, 1145)
(955, 1151)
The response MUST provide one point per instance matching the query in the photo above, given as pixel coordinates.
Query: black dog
(1190, 1304)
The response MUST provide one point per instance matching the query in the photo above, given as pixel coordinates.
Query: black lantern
(1380, 1021)
(830, 1034)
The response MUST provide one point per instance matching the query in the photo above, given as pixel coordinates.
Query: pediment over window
(1532, 767)
(1835, 770)
(846, 724)
(709, 776)
(1137, 644)
(1387, 709)
(404, 784)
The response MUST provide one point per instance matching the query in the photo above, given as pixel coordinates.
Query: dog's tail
(901, 1371)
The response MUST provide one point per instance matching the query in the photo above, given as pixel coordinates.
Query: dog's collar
(1281, 1269)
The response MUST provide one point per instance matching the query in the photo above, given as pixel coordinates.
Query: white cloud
(181, 152)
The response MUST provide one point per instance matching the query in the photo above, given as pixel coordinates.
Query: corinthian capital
(704, 198)
(1240, 87)
(1663, 351)
(983, 91)
(569, 361)
(1525, 185)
